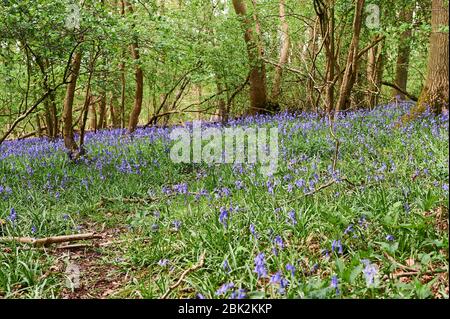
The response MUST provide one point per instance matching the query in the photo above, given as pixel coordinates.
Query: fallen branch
(184, 274)
(38, 242)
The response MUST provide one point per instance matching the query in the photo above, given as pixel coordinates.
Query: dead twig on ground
(184, 274)
(39, 242)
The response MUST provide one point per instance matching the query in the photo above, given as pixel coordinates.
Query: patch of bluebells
(292, 218)
(336, 246)
(224, 289)
(370, 272)
(260, 265)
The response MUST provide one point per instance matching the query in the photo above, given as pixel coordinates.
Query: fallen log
(39, 242)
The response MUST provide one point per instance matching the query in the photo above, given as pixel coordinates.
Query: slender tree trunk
(93, 116)
(223, 114)
(102, 112)
(435, 93)
(325, 12)
(258, 87)
(139, 77)
(122, 78)
(38, 126)
(67, 115)
(404, 50)
(374, 67)
(112, 111)
(284, 54)
(351, 68)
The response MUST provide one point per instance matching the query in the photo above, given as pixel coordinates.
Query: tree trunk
(93, 117)
(122, 78)
(139, 76)
(351, 68)
(258, 88)
(404, 50)
(102, 112)
(112, 110)
(67, 115)
(326, 16)
(284, 54)
(374, 76)
(436, 90)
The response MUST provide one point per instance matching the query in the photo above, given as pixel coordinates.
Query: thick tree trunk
(67, 115)
(258, 87)
(404, 50)
(284, 54)
(351, 68)
(139, 77)
(435, 93)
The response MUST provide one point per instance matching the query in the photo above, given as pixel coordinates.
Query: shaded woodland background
(67, 67)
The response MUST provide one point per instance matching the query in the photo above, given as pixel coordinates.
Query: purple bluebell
(260, 265)
(224, 289)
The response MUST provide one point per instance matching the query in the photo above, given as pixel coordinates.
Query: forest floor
(374, 226)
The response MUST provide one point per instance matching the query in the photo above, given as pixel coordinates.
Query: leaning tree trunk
(67, 115)
(257, 79)
(139, 76)
(351, 67)
(436, 90)
(284, 54)
(404, 50)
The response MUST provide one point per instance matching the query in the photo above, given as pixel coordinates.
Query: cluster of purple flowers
(260, 265)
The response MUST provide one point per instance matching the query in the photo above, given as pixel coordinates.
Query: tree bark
(258, 87)
(67, 115)
(139, 77)
(436, 90)
(374, 74)
(102, 112)
(351, 68)
(325, 12)
(403, 55)
(284, 54)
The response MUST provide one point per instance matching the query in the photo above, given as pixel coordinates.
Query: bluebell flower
(224, 289)
(176, 224)
(163, 262)
(292, 217)
(390, 238)
(253, 231)
(12, 215)
(238, 294)
(279, 242)
(349, 229)
(223, 217)
(226, 266)
(370, 272)
(335, 284)
(291, 269)
(260, 265)
(336, 246)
